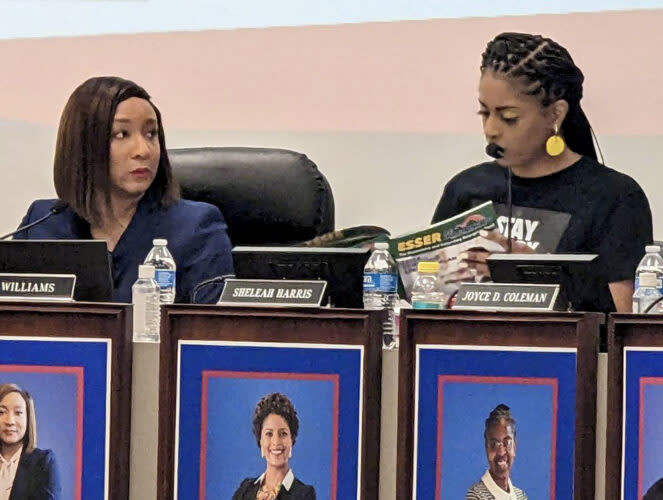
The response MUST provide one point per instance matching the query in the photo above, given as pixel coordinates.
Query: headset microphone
(494, 151)
(497, 152)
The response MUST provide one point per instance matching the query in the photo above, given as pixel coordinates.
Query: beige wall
(388, 105)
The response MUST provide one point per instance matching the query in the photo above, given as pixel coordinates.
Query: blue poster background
(196, 358)
(652, 442)
(235, 454)
(640, 364)
(466, 407)
(55, 428)
(54, 396)
(558, 365)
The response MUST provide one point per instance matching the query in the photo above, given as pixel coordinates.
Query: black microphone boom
(58, 207)
(497, 152)
(212, 281)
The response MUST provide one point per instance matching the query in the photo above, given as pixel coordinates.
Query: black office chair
(267, 196)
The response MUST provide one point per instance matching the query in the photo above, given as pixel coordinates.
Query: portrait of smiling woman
(26, 472)
(111, 168)
(500, 443)
(546, 174)
(275, 427)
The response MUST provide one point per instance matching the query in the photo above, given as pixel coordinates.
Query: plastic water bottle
(427, 290)
(652, 262)
(646, 294)
(147, 309)
(165, 267)
(381, 290)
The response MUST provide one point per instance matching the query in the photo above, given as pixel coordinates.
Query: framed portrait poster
(634, 463)
(495, 402)
(247, 391)
(65, 375)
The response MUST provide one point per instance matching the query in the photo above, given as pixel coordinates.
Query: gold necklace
(265, 493)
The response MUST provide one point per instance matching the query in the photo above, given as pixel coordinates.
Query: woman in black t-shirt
(563, 200)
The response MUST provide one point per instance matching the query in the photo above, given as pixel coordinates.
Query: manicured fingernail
(462, 265)
(483, 233)
(463, 255)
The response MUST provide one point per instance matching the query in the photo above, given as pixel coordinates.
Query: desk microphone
(211, 281)
(55, 209)
(497, 152)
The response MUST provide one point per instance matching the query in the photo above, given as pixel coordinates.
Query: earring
(262, 453)
(290, 453)
(555, 145)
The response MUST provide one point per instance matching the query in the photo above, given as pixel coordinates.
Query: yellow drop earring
(555, 145)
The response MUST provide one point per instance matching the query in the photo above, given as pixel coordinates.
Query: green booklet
(443, 242)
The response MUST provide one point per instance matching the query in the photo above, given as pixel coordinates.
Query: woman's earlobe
(560, 110)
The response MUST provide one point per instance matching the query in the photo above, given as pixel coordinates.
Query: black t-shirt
(585, 208)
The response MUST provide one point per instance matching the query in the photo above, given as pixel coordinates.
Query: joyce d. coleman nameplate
(49, 287)
(273, 293)
(506, 297)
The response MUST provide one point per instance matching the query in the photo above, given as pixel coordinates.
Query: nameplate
(48, 287)
(506, 297)
(241, 292)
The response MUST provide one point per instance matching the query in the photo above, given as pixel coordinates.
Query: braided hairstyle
(501, 413)
(546, 70)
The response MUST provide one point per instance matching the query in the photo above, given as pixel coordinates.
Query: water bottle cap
(428, 267)
(652, 248)
(145, 271)
(648, 279)
(159, 242)
(381, 245)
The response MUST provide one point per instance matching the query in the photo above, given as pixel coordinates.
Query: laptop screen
(87, 259)
(342, 268)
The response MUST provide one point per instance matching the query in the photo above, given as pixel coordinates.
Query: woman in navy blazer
(275, 426)
(115, 183)
(35, 471)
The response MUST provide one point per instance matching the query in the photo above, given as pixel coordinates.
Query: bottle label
(420, 304)
(659, 284)
(139, 316)
(165, 278)
(380, 282)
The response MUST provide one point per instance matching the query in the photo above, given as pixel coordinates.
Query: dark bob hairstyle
(82, 151)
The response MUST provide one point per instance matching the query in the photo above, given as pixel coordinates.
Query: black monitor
(87, 259)
(573, 272)
(341, 268)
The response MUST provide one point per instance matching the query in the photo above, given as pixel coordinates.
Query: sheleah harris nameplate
(273, 293)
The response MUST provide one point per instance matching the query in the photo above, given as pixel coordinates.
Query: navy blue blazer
(196, 234)
(248, 490)
(37, 477)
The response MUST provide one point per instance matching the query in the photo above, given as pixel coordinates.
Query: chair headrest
(267, 196)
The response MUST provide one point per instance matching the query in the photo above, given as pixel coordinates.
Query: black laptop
(87, 259)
